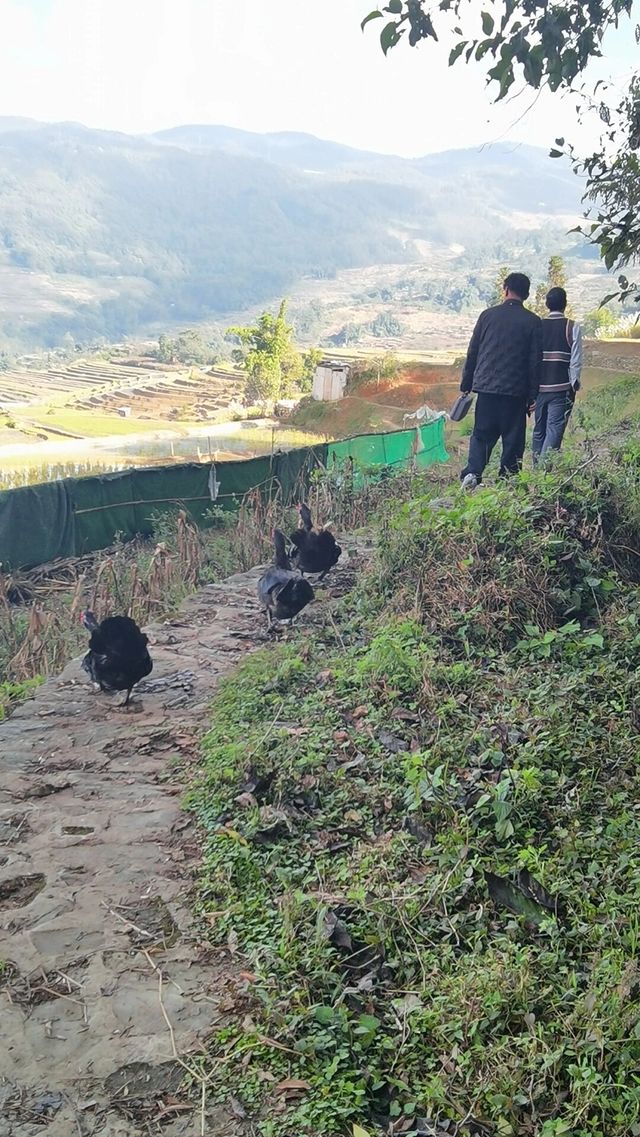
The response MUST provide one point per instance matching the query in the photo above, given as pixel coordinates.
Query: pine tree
(557, 273)
(539, 306)
(498, 289)
(556, 278)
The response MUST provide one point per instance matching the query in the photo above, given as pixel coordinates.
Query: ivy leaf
(487, 23)
(532, 66)
(509, 896)
(367, 1024)
(509, 8)
(457, 52)
(483, 48)
(377, 15)
(324, 1015)
(389, 36)
(594, 639)
(394, 7)
(556, 154)
(502, 73)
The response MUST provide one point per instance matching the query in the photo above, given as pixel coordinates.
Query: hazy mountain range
(104, 233)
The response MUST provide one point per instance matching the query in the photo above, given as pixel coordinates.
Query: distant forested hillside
(102, 234)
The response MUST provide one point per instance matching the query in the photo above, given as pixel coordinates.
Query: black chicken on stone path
(316, 549)
(118, 657)
(281, 592)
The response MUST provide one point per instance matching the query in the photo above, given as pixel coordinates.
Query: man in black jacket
(503, 367)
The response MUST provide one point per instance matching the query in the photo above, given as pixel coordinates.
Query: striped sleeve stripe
(556, 356)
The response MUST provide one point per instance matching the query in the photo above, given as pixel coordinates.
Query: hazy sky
(141, 65)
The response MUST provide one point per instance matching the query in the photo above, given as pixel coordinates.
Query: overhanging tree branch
(531, 43)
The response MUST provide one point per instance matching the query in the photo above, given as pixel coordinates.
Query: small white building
(329, 381)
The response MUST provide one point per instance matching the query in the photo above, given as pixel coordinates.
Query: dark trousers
(552, 415)
(497, 416)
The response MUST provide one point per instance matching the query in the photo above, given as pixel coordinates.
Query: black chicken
(316, 550)
(117, 658)
(282, 592)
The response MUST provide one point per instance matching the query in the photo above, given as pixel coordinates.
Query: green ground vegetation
(421, 831)
(85, 424)
(13, 693)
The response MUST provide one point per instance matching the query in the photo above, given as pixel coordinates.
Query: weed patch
(422, 836)
(539, 553)
(609, 406)
(12, 693)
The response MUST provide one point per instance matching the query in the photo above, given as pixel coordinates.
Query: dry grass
(40, 628)
(40, 612)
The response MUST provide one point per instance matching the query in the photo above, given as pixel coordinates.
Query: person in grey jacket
(560, 379)
(503, 366)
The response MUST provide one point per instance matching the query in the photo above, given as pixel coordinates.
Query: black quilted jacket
(505, 353)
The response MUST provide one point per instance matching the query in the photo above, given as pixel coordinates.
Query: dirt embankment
(380, 406)
(614, 355)
(414, 386)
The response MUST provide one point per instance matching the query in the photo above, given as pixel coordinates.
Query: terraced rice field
(99, 399)
(93, 416)
(21, 386)
(171, 396)
(149, 391)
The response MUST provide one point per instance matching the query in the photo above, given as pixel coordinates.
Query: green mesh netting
(41, 523)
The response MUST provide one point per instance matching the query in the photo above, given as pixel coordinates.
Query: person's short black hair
(556, 300)
(518, 283)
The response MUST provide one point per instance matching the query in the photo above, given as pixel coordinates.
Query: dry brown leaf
(237, 1108)
(246, 800)
(292, 1086)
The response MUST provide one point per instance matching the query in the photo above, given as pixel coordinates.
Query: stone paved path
(97, 948)
(105, 990)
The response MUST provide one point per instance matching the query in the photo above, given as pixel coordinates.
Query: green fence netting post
(80, 515)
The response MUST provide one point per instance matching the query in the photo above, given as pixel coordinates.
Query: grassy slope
(470, 712)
